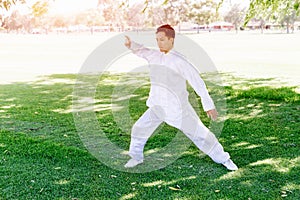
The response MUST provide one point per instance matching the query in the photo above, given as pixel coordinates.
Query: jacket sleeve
(192, 75)
(141, 51)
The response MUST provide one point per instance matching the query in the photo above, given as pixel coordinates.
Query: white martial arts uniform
(168, 102)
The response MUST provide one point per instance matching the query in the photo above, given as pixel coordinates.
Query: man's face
(164, 43)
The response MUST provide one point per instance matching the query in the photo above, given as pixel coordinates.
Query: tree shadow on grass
(262, 132)
(42, 156)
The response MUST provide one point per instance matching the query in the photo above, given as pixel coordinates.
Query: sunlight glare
(128, 196)
(160, 182)
(71, 6)
(233, 175)
(277, 164)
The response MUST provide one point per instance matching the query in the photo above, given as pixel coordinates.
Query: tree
(112, 12)
(175, 11)
(59, 21)
(13, 22)
(6, 4)
(203, 12)
(275, 10)
(236, 16)
(290, 21)
(38, 10)
(92, 17)
(134, 17)
(156, 12)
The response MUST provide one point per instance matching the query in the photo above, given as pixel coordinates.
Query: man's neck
(165, 51)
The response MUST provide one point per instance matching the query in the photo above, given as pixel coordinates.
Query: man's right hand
(127, 42)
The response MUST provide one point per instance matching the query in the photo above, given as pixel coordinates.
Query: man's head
(165, 35)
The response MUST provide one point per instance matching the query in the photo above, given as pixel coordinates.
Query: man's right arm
(138, 49)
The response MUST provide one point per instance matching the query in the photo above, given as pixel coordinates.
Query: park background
(45, 43)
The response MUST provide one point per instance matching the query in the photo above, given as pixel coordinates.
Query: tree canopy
(152, 12)
(279, 11)
(272, 9)
(6, 4)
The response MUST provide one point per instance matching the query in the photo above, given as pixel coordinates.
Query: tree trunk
(262, 26)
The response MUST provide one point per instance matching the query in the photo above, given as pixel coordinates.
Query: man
(168, 100)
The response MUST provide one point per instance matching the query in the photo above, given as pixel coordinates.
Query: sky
(71, 6)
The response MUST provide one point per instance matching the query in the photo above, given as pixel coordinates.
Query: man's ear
(172, 40)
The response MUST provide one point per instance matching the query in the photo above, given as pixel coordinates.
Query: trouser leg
(141, 131)
(205, 140)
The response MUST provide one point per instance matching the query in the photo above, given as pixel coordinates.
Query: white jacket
(168, 75)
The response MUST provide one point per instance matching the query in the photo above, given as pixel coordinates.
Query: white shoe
(230, 165)
(132, 163)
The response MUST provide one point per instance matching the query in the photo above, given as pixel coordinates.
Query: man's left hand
(213, 114)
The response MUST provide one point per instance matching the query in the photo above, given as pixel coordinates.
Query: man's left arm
(194, 79)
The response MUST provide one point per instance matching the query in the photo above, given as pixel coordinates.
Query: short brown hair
(167, 29)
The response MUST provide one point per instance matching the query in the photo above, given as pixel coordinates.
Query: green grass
(42, 156)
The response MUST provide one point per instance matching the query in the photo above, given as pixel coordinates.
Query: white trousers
(188, 122)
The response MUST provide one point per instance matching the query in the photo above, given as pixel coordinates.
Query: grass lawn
(43, 157)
